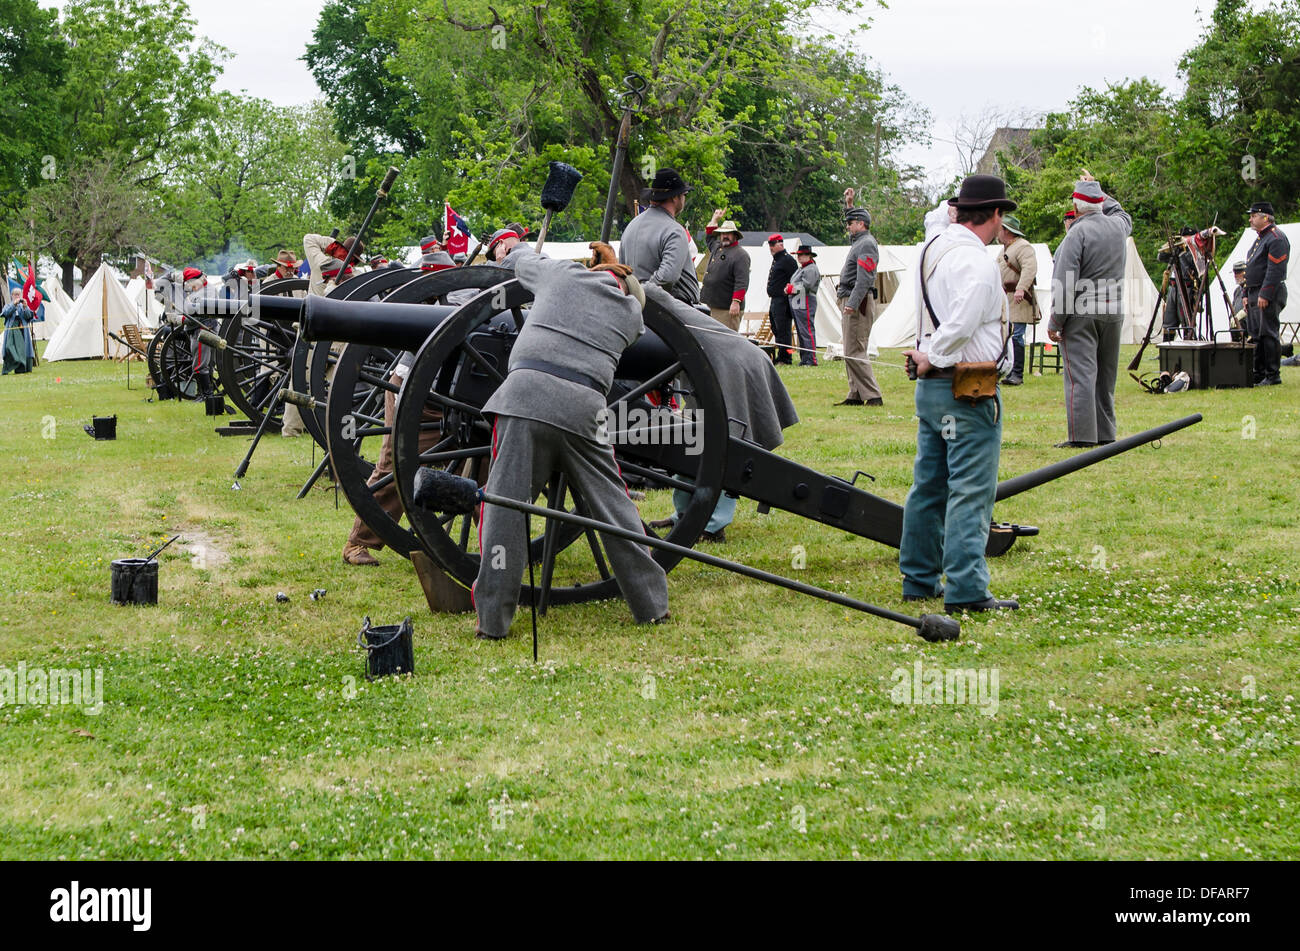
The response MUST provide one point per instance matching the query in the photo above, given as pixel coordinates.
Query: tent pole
(103, 306)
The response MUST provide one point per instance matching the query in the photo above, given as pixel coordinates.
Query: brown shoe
(358, 555)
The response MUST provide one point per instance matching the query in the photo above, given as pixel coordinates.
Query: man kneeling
(547, 417)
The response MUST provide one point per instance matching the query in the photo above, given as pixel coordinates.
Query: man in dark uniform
(1266, 265)
(783, 267)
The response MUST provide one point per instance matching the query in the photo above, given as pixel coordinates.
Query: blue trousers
(947, 513)
(723, 513)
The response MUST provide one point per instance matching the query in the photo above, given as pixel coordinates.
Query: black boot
(1017, 375)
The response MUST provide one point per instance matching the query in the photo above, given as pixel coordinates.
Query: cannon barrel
(1031, 480)
(269, 307)
(407, 326)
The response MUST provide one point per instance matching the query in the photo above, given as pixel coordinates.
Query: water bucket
(214, 405)
(135, 581)
(102, 427)
(389, 648)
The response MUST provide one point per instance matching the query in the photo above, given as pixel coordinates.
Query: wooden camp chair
(1043, 354)
(131, 334)
(763, 337)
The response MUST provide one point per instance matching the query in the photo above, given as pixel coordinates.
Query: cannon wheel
(177, 366)
(374, 285)
(356, 426)
(252, 384)
(574, 567)
(153, 359)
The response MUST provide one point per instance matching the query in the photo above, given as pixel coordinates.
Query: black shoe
(988, 604)
(850, 401)
(1270, 381)
(661, 523)
(717, 537)
(1014, 379)
(875, 402)
(923, 597)
(484, 636)
(667, 616)
(1074, 445)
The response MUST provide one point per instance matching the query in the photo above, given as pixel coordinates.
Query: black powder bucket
(389, 648)
(214, 405)
(135, 581)
(102, 427)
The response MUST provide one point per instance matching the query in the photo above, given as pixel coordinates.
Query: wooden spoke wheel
(454, 375)
(254, 366)
(153, 359)
(177, 365)
(355, 422)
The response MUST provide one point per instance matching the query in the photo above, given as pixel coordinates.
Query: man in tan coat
(1019, 267)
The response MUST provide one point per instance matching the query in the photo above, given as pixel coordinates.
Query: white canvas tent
(101, 308)
(54, 315)
(146, 302)
(1291, 312)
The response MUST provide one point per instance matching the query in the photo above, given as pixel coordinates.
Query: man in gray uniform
(547, 413)
(1088, 312)
(655, 244)
(858, 308)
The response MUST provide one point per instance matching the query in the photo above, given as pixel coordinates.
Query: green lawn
(1146, 690)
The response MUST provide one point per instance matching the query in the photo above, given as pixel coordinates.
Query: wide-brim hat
(1012, 224)
(804, 249)
(983, 191)
(728, 227)
(1262, 207)
(666, 184)
(286, 257)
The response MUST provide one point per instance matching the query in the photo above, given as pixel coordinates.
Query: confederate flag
(456, 230)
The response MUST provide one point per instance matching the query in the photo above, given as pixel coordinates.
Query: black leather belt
(563, 373)
(939, 373)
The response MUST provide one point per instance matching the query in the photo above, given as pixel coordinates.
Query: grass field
(1145, 693)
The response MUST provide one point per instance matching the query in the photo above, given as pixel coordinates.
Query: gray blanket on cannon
(751, 387)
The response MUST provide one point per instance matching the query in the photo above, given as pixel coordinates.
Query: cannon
(461, 356)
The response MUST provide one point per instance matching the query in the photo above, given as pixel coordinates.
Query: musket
(632, 100)
(1151, 327)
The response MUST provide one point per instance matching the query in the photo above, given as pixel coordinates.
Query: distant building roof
(1016, 149)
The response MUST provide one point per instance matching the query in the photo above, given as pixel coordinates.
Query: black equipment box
(1211, 364)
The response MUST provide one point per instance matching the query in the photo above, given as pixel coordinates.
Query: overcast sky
(936, 50)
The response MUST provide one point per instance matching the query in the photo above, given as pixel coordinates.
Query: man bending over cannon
(547, 415)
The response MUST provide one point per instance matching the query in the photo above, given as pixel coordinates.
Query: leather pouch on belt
(975, 381)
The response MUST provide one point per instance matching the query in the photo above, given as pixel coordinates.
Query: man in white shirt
(962, 320)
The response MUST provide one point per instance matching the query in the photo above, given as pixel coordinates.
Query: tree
(259, 178)
(32, 62)
(93, 209)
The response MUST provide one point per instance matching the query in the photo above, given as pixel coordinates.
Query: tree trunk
(68, 263)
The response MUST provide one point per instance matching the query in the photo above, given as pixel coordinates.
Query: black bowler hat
(1265, 207)
(983, 191)
(667, 184)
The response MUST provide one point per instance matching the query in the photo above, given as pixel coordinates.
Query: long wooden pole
(103, 306)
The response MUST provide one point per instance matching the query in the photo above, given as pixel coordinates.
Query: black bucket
(389, 649)
(214, 405)
(135, 581)
(102, 427)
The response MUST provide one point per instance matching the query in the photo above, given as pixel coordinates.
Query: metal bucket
(214, 405)
(389, 648)
(135, 581)
(103, 427)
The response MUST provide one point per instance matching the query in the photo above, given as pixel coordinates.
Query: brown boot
(358, 555)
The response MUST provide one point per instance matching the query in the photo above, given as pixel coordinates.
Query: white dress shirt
(966, 292)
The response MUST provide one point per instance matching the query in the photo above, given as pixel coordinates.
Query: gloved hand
(603, 258)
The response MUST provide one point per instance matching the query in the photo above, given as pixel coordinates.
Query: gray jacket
(726, 279)
(858, 276)
(1088, 268)
(804, 280)
(655, 246)
(581, 321)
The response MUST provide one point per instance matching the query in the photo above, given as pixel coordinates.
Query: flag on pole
(31, 296)
(456, 230)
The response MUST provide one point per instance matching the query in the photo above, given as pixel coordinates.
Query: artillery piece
(462, 355)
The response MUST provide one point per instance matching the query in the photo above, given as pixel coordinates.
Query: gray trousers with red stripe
(1090, 352)
(525, 452)
(804, 318)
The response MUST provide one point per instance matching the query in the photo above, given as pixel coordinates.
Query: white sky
(935, 50)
